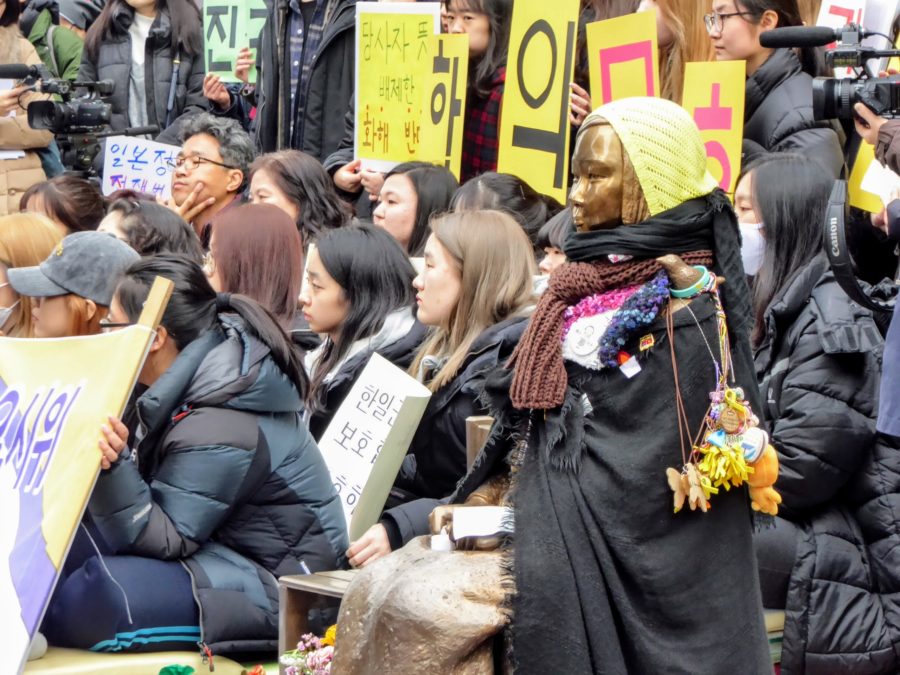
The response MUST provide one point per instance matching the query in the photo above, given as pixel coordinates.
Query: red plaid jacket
(481, 135)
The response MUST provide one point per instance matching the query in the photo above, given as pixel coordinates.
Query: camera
(835, 98)
(80, 115)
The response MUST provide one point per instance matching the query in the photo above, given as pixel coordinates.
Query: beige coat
(17, 175)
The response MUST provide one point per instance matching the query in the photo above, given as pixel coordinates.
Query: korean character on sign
(394, 411)
(347, 434)
(382, 403)
(137, 160)
(362, 442)
(353, 495)
(367, 398)
(411, 130)
(159, 189)
(368, 130)
(139, 184)
(366, 38)
(339, 483)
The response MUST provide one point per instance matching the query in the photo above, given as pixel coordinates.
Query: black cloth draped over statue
(608, 579)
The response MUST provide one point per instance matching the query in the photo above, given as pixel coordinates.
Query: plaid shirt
(481, 136)
(302, 47)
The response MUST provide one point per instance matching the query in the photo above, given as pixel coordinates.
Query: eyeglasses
(106, 326)
(715, 21)
(191, 163)
(209, 264)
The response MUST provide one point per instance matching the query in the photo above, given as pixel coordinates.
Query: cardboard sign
(445, 88)
(714, 96)
(391, 62)
(623, 57)
(858, 196)
(837, 14)
(534, 122)
(368, 437)
(228, 27)
(54, 396)
(138, 164)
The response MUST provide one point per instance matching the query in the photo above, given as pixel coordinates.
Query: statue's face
(598, 166)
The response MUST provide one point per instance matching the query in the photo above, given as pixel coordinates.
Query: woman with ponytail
(222, 491)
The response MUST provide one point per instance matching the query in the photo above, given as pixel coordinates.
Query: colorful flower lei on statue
(593, 305)
(638, 311)
(313, 655)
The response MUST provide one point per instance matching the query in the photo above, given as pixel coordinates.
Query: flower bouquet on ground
(313, 655)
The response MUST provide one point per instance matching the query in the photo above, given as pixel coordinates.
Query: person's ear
(90, 309)
(768, 20)
(160, 339)
(235, 180)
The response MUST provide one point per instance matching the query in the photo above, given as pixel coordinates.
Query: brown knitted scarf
(540, 381)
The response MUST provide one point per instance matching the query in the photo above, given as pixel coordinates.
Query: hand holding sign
(215, 91)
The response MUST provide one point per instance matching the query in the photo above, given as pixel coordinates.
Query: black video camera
(834, 98)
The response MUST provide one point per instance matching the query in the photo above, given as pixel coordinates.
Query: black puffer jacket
(819, 368)
(778, 115)
(113, 62)
(228, 481)
(437, 455)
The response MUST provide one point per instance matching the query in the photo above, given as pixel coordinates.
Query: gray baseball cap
(87, 264)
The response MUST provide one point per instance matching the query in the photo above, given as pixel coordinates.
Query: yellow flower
(328, 640)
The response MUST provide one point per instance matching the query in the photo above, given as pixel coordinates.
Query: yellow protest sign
(54, 396)
(534, 122)
(623, 57)
(445, 91)
(860, 198)
(714, 96)
(391, 62)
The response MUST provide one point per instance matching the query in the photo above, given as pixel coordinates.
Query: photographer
(21, 168)
(881, 133)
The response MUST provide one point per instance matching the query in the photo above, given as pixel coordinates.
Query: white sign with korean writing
(367, 439)
(138, 164)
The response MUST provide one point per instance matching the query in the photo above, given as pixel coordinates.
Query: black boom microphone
(19, 71)
(806, 36)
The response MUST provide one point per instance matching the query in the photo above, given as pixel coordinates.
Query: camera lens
(47, 115)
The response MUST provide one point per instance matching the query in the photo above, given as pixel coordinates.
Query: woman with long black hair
(153, 51)
(835, 548)
(222, 491)
(360, 296)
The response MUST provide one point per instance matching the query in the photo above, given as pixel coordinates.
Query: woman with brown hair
(681, 36)
(73, 286)
(255, 250)
(476, 294)
(297, 184)
(75, 204)
(25, 240)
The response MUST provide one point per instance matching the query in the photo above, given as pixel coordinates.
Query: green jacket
(65, 58)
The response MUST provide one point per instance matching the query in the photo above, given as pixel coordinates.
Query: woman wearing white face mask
(753, 234)
(26, 239)
(818, 363)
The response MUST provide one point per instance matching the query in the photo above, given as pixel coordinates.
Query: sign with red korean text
(714, 97)
(443, 116)
(534, 123)
(837, 14)
(623, 57)
(391, 61)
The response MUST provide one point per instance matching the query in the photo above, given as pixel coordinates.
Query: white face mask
(753, 247)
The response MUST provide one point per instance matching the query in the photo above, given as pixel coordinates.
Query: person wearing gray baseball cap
(74, 286)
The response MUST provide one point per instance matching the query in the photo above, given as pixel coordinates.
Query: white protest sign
(881, 181)
(368, 437)
(138, 164)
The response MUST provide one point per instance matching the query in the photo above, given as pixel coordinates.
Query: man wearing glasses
(211, 170)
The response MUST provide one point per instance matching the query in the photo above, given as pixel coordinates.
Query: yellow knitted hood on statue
(664, 146)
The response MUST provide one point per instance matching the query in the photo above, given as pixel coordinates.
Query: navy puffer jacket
(227, 479)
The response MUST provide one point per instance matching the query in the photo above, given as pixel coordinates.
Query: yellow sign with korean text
(623, 57)
(443, 116)
(534, 122)
(714, 97)
(858, 197)
(391, 62)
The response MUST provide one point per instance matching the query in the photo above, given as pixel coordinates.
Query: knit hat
(80, 13)
(664, 146)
